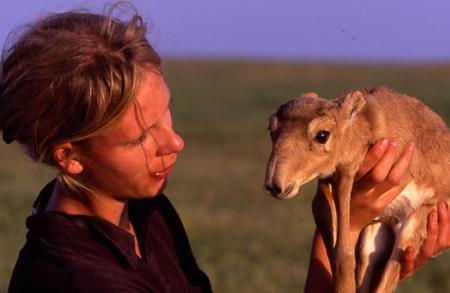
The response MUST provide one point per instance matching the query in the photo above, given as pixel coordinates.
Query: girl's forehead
(152, 91)
(151, 102)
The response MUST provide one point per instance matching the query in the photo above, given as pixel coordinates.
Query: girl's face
(134, 157)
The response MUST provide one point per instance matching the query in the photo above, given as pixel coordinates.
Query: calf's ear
(311, 95)
(352, 104)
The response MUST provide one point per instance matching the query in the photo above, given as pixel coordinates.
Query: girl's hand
(438, 239)
(378, 182)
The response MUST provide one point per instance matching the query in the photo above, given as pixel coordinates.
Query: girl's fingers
(383, 182)
(394, 182)
(380, 171)
(443, 234)
(383, 167)
(386, 177)
(437, 240)
(448, 232)
(428, 247)
(398, 171)
(373, 155)
(407, 263)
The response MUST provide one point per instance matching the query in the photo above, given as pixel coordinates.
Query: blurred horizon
(348, 31)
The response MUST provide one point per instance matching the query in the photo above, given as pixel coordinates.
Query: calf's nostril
(273, 189)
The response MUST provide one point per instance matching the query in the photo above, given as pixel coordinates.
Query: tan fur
(355, 121)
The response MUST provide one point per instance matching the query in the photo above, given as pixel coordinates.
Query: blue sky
(361, 30)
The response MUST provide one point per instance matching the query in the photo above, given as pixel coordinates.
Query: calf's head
(308, 134)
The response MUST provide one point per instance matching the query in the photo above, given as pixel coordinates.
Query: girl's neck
(100, 205)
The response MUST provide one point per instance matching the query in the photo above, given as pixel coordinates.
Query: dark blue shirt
(74, 253)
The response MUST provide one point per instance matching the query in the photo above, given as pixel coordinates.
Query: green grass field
(245, 240)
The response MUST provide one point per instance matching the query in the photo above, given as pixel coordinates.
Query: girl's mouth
(162, 173)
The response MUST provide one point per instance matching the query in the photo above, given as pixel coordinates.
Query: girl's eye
(140, 140)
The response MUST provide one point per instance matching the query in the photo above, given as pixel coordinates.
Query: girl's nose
(177, 142)
(173, 143)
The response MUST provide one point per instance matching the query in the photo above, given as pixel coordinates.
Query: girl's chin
(156, 189)
(163, 186)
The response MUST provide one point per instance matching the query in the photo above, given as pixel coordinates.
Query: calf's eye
(322, 136)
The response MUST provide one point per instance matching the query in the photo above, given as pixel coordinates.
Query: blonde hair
(69, 77)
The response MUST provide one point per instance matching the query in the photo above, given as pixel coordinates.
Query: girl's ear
(67, 159)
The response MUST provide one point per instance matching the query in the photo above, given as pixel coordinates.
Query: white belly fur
(401, 208)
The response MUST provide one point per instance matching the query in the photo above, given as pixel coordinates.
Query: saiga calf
(314, 137)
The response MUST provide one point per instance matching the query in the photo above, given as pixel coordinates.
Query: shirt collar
(119, 239)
